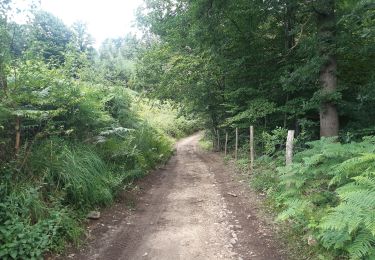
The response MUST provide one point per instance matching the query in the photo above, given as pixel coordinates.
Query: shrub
(31, 227)
(274, 141)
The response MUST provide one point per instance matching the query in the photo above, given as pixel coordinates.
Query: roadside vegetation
(322, 203)
(72, 133)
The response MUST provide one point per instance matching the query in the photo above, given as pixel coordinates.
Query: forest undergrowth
(78, 161)
(323, 203)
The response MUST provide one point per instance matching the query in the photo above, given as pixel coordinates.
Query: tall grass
(85, 178)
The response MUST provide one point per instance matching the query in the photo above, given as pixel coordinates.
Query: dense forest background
(77, 123)
(294, 64)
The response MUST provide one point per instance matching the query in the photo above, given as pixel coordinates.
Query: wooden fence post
(289, 148)
(236, 152)
(218, 140)
(251, 149)
(18, 135)
(226, 143)
(214, 141)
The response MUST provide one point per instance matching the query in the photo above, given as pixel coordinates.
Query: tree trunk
(326, 23)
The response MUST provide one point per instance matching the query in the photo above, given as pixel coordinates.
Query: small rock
(232, 194)
(93, 215)
(233, 241)
(71, 255)
(145, 254)
(311, 241)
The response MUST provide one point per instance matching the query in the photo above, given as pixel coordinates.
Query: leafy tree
(116, 60)
(50, 37)
(283, 52)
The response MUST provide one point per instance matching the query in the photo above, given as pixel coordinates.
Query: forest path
(196, 207)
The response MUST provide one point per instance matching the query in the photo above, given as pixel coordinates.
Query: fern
(362, 246)
(330, 189)
(355, 215)
(294, 208)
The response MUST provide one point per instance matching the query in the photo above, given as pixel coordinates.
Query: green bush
(30, 226)
(274, 141)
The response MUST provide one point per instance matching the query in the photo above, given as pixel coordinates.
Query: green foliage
(83, 176)
(264, 178)
(205, 143)
(116, 63)
(258, 108)
(167, 118)
(329, 192)
(50, 37)
(236, 63)
(80, 142)
(274, 141)
(30, 227)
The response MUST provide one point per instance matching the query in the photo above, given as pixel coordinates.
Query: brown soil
(194, 208)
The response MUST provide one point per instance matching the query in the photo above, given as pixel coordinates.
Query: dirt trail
(194, 208)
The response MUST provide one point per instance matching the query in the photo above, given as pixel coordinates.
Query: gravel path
(194, 208)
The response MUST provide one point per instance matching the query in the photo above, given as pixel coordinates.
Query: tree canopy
(270, 63)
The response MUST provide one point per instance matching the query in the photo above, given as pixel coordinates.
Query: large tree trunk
(329, 119)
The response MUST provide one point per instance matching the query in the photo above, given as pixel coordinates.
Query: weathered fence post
(251, 149)
(289, 148)
(226, 143)
(18, 135)
(214, 141)
(218, 140)
(236, 152)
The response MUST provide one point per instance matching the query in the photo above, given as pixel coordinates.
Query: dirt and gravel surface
(196, 207)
